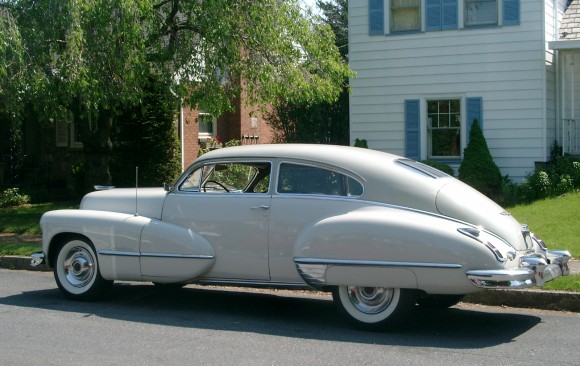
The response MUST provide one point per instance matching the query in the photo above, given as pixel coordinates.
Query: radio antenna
(136, 188)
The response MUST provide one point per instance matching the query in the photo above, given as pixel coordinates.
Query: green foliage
(88, 60)
(478, 168)
(558, 176)
(438, 165)
(361, 143)
(325, 122)
(11, 197)
(148, 140)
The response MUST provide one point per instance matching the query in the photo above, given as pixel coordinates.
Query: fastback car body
(381, 232)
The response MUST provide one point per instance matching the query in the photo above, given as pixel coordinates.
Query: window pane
(405, 15)
(445, 128)
(206, 123)
(192, 182)
(303, 179)
(480, 12)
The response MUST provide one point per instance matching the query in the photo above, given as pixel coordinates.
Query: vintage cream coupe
(383, 233)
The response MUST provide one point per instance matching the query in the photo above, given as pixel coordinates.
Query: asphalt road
(141, 324)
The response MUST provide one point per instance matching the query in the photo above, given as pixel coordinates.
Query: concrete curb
(535, 299)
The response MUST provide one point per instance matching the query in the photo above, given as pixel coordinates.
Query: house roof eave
(569, 45)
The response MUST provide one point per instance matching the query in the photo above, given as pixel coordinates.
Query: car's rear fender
(130, 247)
(389, 247)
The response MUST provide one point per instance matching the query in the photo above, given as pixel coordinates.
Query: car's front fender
(131, 247)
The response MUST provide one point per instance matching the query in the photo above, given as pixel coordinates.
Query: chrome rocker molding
(154, 255)
(533, 271)
(313, 270)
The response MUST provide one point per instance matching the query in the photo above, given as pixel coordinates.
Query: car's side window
(232, 177)
(306, 179)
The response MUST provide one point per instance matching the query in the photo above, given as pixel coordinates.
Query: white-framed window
(207, 124)
(67, 135)
(481, 12)
(405, 15)
(444, 128)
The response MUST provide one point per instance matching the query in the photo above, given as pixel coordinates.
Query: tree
(478, 168)
(322, 122)
(93, 58)
(147, 139)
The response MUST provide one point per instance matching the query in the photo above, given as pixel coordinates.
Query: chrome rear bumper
(533, 270)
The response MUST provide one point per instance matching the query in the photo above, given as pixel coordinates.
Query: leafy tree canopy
(90, 59)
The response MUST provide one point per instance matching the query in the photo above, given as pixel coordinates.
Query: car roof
(347, 157)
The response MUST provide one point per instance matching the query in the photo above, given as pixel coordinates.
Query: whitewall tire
(374, 308)
(76, 270)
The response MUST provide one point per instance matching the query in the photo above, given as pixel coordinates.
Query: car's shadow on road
(281, 314)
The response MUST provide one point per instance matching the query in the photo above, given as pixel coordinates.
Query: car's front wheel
(76, 270)
(374, 308)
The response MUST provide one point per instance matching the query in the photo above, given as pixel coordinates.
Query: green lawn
(24, 219)
(556, 221)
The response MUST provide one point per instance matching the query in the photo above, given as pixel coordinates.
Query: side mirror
(167, 187)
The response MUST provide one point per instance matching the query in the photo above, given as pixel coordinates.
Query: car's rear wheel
(374, 308)
(76, 270)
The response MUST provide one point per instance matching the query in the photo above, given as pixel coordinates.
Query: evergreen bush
(478, 168)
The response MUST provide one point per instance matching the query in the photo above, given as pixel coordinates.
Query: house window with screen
(444, 128)
(405, 15)
(481, 12)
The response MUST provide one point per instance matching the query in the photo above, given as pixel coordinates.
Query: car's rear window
(421, 168)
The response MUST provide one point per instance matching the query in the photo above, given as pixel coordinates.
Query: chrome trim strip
(185, 256)
(154, 255)
(350, 262)
(118, 253)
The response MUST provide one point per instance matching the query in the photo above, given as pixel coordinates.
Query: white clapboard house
(427, 68)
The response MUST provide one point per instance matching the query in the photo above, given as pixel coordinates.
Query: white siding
(507, 66)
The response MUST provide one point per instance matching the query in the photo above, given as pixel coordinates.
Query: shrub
(558, 176)
(361, 143)
(478, 168)
(12, 197)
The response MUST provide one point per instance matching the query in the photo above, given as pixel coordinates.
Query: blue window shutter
(449, 17)
(432, 15)
(474, 111)
(412, 132)
(511, 12)
(376, 17)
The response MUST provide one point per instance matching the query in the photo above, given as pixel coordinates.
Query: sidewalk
(534, 298)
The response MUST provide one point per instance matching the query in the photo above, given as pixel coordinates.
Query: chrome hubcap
(79, 267)
(370, 300)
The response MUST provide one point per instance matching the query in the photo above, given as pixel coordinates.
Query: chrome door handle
(263, 207)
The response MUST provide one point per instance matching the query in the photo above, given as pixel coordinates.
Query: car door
(228, 205)
(305, 194)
